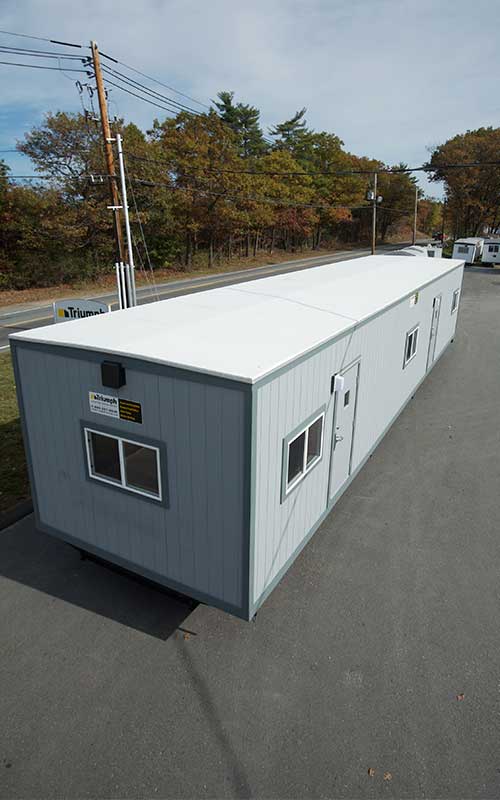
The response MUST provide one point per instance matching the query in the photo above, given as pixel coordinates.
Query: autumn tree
(472, 194)
(398, 191)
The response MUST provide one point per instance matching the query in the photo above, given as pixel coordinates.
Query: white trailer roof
(412, 250)
(246, 331)
(470, 240)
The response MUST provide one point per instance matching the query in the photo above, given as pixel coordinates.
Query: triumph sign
(78, 309)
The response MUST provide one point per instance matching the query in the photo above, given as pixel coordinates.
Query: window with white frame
(462, 248)
(121, 462)
(492, 248)
(454, 300)
(303, 451)
(410, 345)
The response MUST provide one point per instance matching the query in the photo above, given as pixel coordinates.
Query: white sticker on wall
(104, 404)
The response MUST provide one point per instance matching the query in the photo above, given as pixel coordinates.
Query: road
(378, 650)
(35, 316)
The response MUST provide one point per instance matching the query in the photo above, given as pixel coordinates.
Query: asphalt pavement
(378, 651)
(32, 315)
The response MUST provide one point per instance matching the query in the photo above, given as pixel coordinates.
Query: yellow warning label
(130, 411)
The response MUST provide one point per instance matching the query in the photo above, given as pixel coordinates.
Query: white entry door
(436, 308)
(343, 429)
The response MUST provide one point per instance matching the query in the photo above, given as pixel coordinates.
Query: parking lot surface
(371, 671)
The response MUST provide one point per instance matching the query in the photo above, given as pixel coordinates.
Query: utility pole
(443, 220)
(374, 214)
(414, 238)
(108, 150)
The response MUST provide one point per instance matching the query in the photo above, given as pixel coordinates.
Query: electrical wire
(170, 88)
(56, 178)
(246, 198)
(38, 53)
(40, 66)
(155, 80)
(40, 38)
(123, 89)
(379, 171)
(138, 217)
(151, 92)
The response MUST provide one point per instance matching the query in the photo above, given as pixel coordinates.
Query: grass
(14, 483)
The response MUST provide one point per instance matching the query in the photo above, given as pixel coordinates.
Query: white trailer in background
(428, 250)
(491, 251)
(469, 249)
(200, 441)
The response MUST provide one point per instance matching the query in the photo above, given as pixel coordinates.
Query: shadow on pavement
(51, 566)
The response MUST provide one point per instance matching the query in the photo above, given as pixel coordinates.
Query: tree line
(472, 195)
(201, 188)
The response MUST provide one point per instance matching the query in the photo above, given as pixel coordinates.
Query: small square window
(141, 470)
(463, 249)
(105, 457)
(410, 346)
(296, 457)
(131, 466)
(314, 437)
(302, 453)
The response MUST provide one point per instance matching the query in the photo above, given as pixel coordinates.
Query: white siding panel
(289, 399)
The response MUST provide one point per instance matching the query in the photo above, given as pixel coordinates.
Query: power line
(305, 174)
(40, 66)
(151, 92)
(146, 250)
(155, 80)
(40, 39)
(38, 53)
(58, 178)
(244, 198)
(171, 88)
(151, 103)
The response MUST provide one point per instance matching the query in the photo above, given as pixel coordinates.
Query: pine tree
(244, 120)
(291, 134)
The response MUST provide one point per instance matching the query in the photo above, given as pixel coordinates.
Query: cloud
(390, 77)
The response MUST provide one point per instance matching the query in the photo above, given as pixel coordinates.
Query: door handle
(338, 438)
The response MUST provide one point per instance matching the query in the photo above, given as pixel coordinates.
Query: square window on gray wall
(141, 470)
(133, 466)
(105, 456)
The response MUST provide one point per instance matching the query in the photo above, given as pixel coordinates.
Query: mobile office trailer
(491, 251)
(200, 441)
(469, 250)
(429, 250)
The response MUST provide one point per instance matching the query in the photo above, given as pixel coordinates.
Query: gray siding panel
(292, 396)
(198, 540)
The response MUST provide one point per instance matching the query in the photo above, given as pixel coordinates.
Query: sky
(392, 78)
